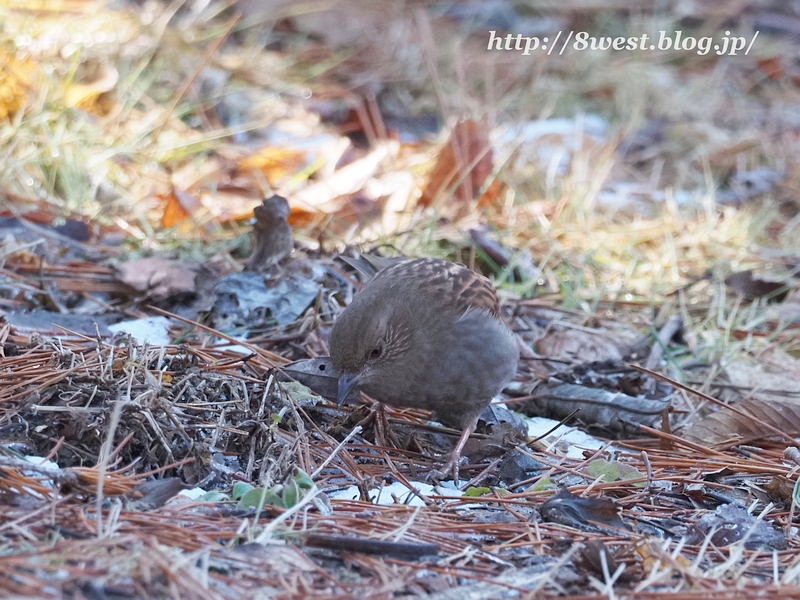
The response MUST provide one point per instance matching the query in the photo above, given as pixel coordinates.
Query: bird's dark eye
(376, 352)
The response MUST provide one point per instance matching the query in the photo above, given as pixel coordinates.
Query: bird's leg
(455, 457)
(380, 425)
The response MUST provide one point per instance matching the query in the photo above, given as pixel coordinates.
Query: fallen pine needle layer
(70, 395)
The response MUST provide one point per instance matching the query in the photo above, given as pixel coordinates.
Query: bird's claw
(450, 469)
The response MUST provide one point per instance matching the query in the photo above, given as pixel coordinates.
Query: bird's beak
(346, 384)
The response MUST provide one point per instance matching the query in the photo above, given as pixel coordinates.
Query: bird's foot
(455, 459)
(451, 469)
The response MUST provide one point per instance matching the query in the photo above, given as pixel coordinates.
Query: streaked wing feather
(370, 264)
(470, 290)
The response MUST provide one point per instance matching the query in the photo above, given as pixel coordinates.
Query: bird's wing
(370, 264)
(470, 290)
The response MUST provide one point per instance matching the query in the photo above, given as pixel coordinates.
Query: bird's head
(369, 343)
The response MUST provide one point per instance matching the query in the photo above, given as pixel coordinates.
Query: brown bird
(426, 333)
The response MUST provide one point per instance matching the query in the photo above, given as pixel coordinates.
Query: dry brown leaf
(595, 556)
(731, 523)
(726, 428)
(586, 514)
(159, 278)
(465, 162)
(772, 383)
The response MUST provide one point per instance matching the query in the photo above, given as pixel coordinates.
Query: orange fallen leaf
(275, 163)
(179, 207)
(300, 217)
(16, 79)
(463, 164)
(491, 197)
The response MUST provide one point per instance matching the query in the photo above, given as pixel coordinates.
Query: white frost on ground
(564, 440)
(567, 441)
(151, 330)
(193, 493)
(388, 493)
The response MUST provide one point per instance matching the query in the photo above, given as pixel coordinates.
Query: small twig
(350, 436)
(649, 468)
(105, 455)
(667, 332)
(554, 427)
(366, 546)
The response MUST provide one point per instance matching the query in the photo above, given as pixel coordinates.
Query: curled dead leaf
(586, 514)
(463, 164)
